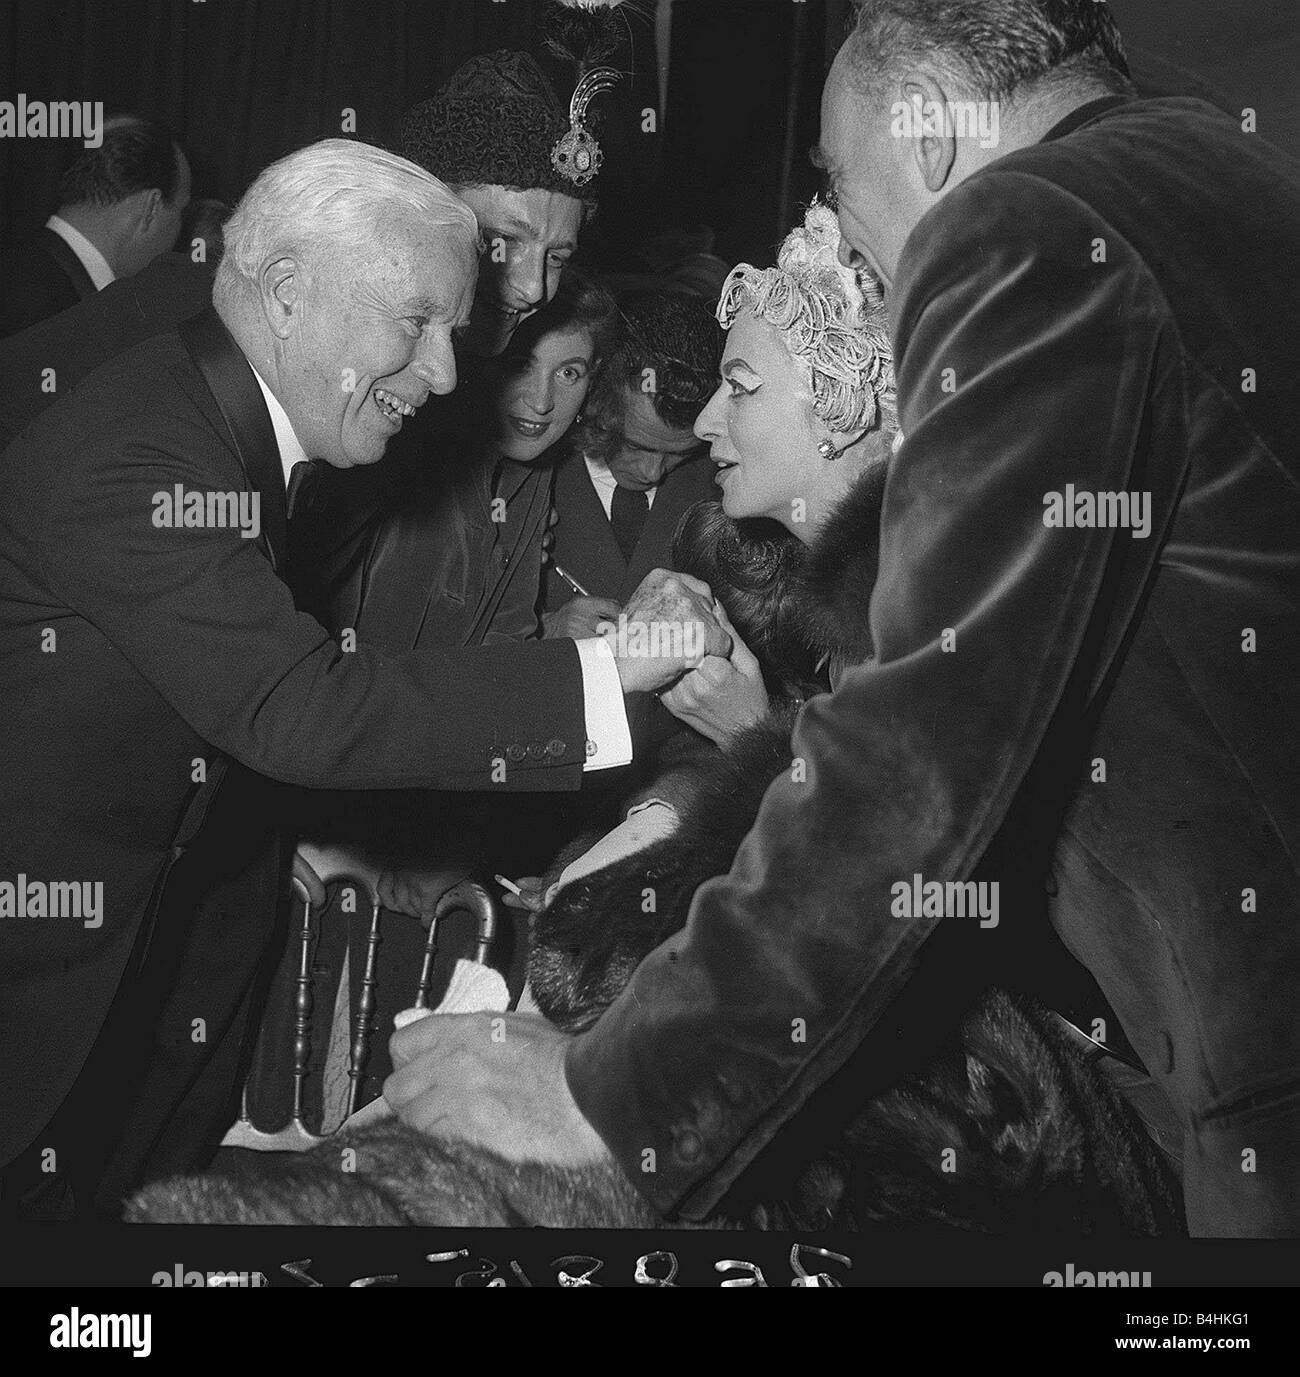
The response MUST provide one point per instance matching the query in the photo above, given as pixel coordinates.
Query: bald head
(925, 92)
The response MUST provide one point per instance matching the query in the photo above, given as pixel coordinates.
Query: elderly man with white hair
(151, 644)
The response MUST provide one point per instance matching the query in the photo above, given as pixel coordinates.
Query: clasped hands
(673, 635)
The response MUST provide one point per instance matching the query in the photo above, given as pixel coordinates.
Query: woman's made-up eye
(736, 389)
(571, 373)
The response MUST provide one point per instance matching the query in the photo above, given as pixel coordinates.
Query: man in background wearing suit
(636, 464)
(120, 205)
(148, 637)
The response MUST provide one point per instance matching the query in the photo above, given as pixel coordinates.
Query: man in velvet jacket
(147, 637)
(1077, 310)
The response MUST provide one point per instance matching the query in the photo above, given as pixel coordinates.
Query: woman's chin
(733, 503)
(520, 452)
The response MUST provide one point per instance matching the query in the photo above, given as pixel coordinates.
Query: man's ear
(280, 288)
(145, 206)
(934, 142)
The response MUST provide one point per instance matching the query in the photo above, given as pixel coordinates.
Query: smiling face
(639, 446)
(530, 236)
(368, 335)
(536, 397)
(761, 427)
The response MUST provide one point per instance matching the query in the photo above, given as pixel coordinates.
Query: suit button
(515, 752)
(591, 748)
(689, 1145)
(536, 750)
(555, 746)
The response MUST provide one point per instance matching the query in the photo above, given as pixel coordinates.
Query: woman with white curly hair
(804, 418)
(806, 403)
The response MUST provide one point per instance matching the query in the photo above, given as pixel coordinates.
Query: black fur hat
(497, 120)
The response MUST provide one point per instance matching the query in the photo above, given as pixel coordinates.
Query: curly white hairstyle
(831, 318)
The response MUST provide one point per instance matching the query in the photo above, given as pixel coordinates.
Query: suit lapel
(234, 388)
(61, 252)
(524, 522)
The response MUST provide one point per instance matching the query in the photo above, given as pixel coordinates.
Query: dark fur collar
(839, 571)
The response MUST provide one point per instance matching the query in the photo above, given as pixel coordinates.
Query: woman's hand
(724, 695)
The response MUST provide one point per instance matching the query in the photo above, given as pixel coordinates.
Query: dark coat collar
(62, 253)
(1084, 114)
(234, 388)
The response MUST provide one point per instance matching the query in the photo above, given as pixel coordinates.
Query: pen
(570, 580)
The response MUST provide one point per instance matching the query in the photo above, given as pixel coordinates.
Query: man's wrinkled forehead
(430, 270)
(845, 117)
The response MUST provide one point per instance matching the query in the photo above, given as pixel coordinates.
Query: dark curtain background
(243, 81)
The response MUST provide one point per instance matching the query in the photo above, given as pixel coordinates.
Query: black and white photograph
(651, 643)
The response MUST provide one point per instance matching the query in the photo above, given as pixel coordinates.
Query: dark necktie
(627, 514)
(302, 535)
(302, 483)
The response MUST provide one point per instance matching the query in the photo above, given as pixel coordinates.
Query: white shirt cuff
(609, 742)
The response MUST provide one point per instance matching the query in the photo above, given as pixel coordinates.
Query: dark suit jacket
(423, 560)
(88, 333)
(584, 539)
(1026, 363)
(173, 645)
(42, 278)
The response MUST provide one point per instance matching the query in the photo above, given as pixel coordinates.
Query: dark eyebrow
(517, 226)
(738, 363)
(524, 230)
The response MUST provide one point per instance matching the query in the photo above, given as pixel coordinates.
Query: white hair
(337, 191)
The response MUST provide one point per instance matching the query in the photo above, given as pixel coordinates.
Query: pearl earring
(827, 450)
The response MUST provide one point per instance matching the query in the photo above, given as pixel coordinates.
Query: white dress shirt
(88, 255)
(291, 450)
(609, 741)
(603, 480)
